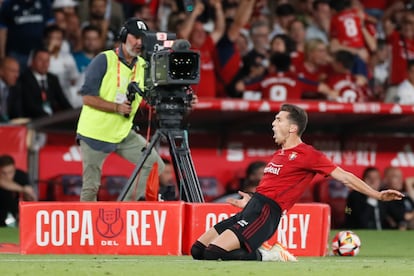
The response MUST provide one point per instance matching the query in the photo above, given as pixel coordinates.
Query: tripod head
(171, 103)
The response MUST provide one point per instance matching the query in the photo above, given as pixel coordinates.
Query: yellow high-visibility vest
(110, 126)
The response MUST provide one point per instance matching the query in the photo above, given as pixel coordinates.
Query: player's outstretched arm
(240, 202)
(355, 183)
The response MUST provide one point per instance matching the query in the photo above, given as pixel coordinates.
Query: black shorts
(255, 224)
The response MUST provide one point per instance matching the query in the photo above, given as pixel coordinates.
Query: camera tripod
(185, 173)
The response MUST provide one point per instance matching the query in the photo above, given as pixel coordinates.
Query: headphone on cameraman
(126, 28)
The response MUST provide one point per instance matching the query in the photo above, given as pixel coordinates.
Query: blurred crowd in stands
(343, 50)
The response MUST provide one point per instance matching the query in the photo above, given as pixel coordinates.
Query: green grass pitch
(382, 253)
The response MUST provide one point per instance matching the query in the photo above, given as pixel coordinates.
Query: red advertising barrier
(142, 228)
(303, 230)
(152, 228)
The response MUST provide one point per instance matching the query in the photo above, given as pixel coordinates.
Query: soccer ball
(346, 243)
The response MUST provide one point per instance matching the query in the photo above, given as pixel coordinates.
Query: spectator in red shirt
(283, 43)
(297, 31)
(382, 9)
(255, 62)
(279, 84)
(315, 68)
(229, 56)
(401, 43)
(194, 31)
(345, 30)
(348, 32)
(342, 80)
(369, 27)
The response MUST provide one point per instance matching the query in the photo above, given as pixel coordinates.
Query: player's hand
(240, 202)
(388, 195)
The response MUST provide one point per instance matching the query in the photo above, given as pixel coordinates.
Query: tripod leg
(184, 167)
(138, 167)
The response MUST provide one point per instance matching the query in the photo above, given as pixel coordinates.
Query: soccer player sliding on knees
(286, 176)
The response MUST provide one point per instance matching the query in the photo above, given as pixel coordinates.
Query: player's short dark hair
(297, 116)
(281, 61)
(6, 160)
(346, 58)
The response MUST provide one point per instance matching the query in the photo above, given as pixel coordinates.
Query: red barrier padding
(303, 230)
(152, 228)
(123, 228)
(14, 143)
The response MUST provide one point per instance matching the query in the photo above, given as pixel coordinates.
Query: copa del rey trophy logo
(109, 223)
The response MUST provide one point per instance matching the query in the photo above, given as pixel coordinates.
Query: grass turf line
(382, 253)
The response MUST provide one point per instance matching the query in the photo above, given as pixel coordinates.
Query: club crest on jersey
(292, 156)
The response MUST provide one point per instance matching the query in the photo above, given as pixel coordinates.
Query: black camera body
(171, 68)
(175, 67)
(169, 61)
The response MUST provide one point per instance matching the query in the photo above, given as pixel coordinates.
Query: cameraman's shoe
(276, 253)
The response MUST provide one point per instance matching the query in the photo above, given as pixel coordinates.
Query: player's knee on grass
(197, 250)
(214, 252)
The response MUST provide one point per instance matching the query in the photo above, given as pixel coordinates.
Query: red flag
(153, 184)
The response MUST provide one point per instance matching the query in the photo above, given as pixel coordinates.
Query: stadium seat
(111, 186)
(65, 187)
(211, 187)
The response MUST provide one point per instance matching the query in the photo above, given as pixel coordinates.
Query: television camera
(171, 69)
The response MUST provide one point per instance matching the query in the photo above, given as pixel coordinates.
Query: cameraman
(106, 120)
